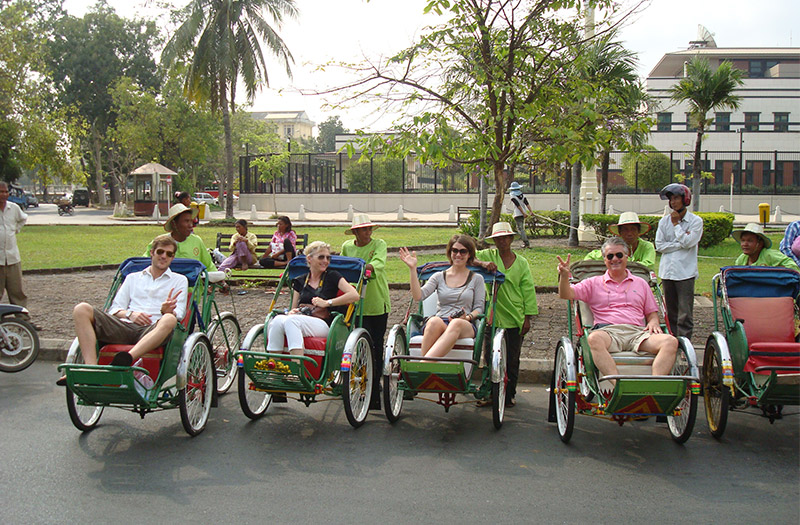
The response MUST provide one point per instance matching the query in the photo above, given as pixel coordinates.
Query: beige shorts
(625, 337)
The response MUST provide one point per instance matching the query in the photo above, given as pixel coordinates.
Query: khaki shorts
(625, 337)
(111, 330)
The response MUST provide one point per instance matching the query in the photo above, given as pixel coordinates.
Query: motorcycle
(66, 209)
(19, 341)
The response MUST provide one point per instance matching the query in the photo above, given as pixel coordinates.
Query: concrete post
(610, 209)
(301, 215)
(558, 207)
(400, 214)
(350, 213)
(253, 212)
(156, 215)
(452, 213)
(588, 200)
(721, 208)
(778, 216)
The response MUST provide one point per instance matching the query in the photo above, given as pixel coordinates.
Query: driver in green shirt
(180, 225)
(757, 249)
(630, 228)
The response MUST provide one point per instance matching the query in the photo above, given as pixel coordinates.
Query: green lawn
(66, 246)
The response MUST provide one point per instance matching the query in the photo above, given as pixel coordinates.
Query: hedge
(716, 226)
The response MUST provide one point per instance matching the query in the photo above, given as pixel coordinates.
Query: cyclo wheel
(357, 381)
(19, 345)
(82, 416)
(195, 398)
(564, 399)
(499, 389)
(254, 403)
(225, 336)
(392, 396)
(716, 396)
(680, 427)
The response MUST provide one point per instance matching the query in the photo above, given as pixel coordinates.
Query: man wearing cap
(180, 225)
(630, 228)
(520, 203)
(677, 238)
(757, 249)
(516, 298)
(376, 300)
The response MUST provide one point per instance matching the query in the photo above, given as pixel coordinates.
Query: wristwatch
(129, 314)
(330, 302)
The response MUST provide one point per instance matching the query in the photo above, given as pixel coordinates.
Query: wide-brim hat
(360, 221)
(629, 217)
(755, 229)
(501, 229)
(515, 187)
(176, 210)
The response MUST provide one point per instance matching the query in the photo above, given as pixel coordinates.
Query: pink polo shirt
(611, 302)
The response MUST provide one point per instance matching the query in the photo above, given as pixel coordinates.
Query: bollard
(116, 209)
(611, 209)
(253, 212)
(778, 216)
(452, 213)
(124, 209)
(301, 215)
(400, 216)
(156, 215)
(350, 213)
(721, 208)
(763, 213)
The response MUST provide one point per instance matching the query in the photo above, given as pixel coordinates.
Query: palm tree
(219, 43)
(706, 90)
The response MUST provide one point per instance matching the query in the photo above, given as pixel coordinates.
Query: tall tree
(706, 90)
(326, 140)
(219, 42)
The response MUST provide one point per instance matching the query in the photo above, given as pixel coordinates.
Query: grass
(65, 246)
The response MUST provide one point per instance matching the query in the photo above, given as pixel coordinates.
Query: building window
(691, 123)
(751, 121)
(664, 122)
(759, 68)
(781, 122)
(787, 173)
(288, 131)
(722, 121)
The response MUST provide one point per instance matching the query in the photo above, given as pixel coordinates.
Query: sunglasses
(462, 251)
(619, 255)
(324, 257)
(160, 251)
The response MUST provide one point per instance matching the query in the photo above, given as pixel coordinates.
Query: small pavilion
(152, 186)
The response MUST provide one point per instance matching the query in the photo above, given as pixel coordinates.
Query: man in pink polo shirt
(624, 310)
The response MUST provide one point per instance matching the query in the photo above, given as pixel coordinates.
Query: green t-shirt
(192, 248)
(376, 300)
(516, 297)
(645, 254)
(767, 257)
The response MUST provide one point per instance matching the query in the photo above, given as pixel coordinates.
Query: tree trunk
(574, 204)
(604, 180)
(483, 198)
(227, 181)
(499, 192)
(696, 169)
(98, 166)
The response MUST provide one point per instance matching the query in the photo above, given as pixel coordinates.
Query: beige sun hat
(176, 210)
(629, 217)
(501, 229)
(360, 221)
(754, 228)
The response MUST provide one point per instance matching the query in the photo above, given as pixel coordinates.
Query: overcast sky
(348, 30)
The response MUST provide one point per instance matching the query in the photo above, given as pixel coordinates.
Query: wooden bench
(264, 238)
(465, 211)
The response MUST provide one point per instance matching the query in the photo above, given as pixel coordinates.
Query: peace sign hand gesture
(563, 266)
(170, 303)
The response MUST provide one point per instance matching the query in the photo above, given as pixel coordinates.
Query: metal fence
(749, 172)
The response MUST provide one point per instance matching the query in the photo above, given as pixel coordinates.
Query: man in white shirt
(12, 219)
(677, 238)
(144, 312)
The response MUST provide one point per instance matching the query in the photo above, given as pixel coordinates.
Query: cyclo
(337, 365)
(405, 375)
(753, 358)
(576, 382)
(180, 374)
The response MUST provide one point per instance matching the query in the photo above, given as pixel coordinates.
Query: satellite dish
(705, 38)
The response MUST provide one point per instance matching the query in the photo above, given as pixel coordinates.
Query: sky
(351, 30)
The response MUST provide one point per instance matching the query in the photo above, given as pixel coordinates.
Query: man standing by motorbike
(12, 219)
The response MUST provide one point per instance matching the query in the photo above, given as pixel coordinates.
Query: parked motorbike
(66, 209)
(19, 341)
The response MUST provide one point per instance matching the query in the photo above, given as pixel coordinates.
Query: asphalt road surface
(307, 465)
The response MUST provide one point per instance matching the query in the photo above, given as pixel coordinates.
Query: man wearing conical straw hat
(629, 227)
(757, 249)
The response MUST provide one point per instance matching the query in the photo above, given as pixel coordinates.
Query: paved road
(302, 464)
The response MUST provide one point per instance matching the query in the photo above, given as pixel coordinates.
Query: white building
(288, 124)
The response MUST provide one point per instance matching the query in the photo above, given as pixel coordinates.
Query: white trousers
(294, 328)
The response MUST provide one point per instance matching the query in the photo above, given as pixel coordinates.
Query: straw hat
(754, 228)
(515, 188)
(501, 229)
(629, 217)
(360, 221)
(176, 210)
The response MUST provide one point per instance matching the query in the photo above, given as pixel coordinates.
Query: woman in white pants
(315, 297)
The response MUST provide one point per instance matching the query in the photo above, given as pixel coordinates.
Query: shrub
(471, 226)
(653, 169)
(716, 226)
(536, 226)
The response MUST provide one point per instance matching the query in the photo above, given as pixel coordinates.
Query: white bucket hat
(629, 217)
(360, 221)
(176, 210)
(754, 228)
(501, 229)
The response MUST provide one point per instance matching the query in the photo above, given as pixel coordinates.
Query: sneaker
(510, 402)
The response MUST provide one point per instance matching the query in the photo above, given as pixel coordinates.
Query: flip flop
(62, 381)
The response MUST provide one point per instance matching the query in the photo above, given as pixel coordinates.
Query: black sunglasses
(462, 251)
(619, 255)
(160, 251)
(322, 257)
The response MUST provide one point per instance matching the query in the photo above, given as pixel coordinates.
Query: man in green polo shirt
(757, 249)
(376, 300)
(630, 228)
(516, 298)
(180, 225)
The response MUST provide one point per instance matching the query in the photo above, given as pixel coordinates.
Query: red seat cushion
(766, 319)
(151, 360)
(774, 355)
(315, 349)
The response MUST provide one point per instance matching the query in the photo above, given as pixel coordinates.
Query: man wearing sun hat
(629, 227)
(516, 298)
(520, 204)
(757, 249)
(376, 299)
(180, 225)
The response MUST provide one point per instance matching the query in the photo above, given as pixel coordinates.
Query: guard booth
(152, 186)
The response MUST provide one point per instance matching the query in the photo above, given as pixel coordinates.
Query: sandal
(484, 402)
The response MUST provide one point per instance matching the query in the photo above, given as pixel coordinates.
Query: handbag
(320, 312)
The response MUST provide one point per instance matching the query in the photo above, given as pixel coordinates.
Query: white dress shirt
(141, 293)
(678, 246)
(12, 219)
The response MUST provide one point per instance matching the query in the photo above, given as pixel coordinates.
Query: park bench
(255, 271)
(465, 212)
